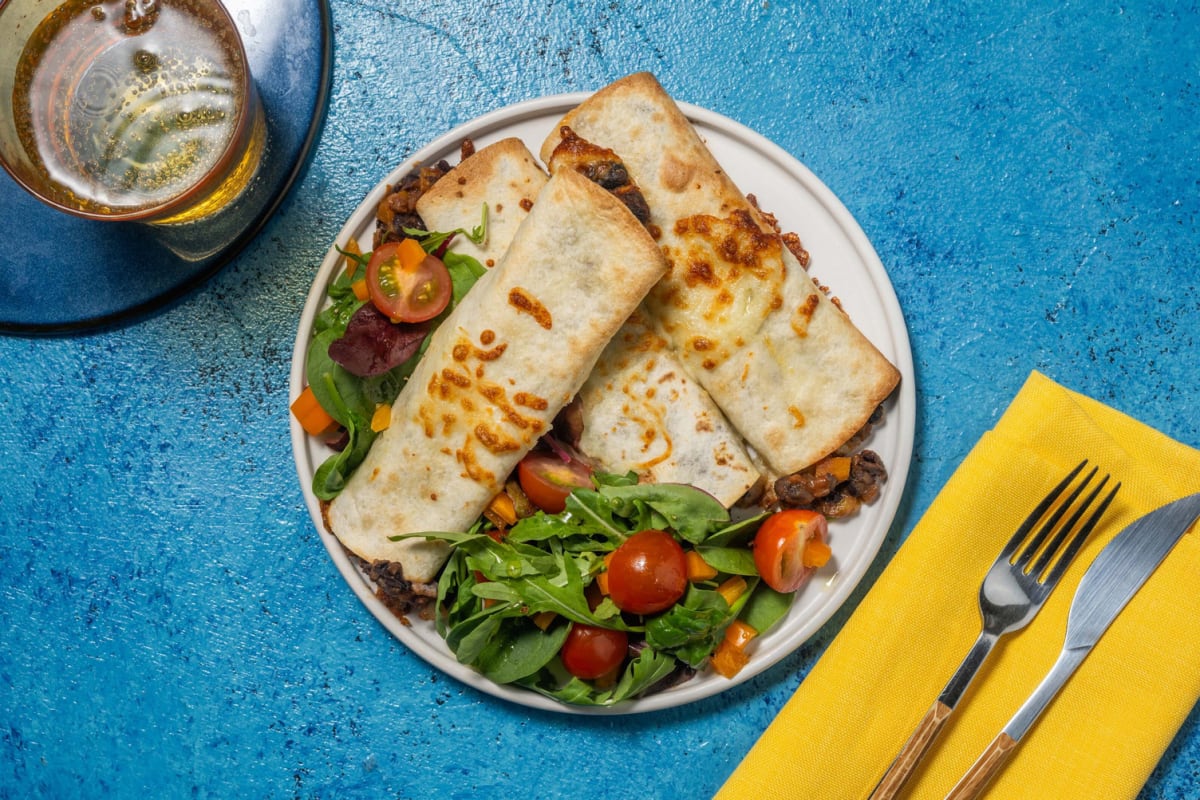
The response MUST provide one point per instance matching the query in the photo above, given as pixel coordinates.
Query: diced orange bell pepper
(732, 588)
(837, 466)
(543, 619)
(503, 507)
(697, 568)
(308, 412)
(730, 656)
(816, 553)
(602, 577)
(410, 253)
(382, 418)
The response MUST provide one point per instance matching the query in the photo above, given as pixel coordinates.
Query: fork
(1013, 591)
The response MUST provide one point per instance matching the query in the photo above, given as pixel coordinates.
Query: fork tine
(1035, 544)
(1064, 531)
(1080, 537)
(1039, 511)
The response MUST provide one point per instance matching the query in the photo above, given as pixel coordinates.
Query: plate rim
(902, 405)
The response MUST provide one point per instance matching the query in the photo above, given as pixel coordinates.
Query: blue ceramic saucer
(118, 271)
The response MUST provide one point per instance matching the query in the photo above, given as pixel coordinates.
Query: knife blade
(1110, 582)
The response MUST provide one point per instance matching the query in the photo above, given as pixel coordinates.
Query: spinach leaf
(690, 512)
(352, 400)
(765, 607)
(464, 271)
(614, 479)
(519, 649)
(737, 533)
(730, 560)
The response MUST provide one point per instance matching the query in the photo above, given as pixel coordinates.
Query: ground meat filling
(398, 209)
(602, 167)
(402, 597)
(836, 486)
(822, 490)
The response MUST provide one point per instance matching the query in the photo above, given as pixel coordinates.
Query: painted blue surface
(172, 627)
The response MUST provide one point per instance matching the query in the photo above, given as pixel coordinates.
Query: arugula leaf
(454, 592)
(641, 674)
(536, 579)
(543, 527)
(692, 628)
(648, 669)
(592, 510)
(432, 240)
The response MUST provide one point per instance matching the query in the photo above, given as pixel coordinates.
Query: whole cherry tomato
(647, 573)
(590, 652)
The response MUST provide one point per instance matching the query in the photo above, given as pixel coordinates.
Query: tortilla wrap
(781, 360)
(641, 411)
(495, 374)
(506, 177)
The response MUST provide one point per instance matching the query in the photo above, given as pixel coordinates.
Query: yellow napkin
(1106, 730)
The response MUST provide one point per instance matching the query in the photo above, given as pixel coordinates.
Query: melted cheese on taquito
(641, 411)
(496, 372)
(782, 361)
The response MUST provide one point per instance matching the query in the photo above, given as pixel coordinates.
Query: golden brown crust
(781, 360)
(505, 170)
(640, 409)
(494, 375)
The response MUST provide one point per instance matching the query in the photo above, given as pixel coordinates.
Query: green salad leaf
(495, 588)
(691, 513)
(348, 398)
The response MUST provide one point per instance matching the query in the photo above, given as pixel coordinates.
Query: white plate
(841, 258)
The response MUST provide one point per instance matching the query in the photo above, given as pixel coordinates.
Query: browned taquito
(787, 367)
(641, 411)
(495, 374)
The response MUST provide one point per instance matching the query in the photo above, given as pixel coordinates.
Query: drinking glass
(129, 110)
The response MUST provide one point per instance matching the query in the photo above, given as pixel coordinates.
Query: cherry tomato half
(647, 573)
(780, 548)
(547, 480)
(590, 652)
(407, 285)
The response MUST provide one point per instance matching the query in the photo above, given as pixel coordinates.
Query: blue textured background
(172, 627)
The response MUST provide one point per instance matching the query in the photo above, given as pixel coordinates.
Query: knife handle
(971, 784)
(913, 751)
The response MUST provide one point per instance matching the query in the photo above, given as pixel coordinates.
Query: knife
(1112, 579)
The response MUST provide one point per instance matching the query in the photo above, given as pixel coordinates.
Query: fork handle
(971, 784)
(913, 751)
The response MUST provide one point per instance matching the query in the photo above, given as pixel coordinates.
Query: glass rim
(243, 129)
